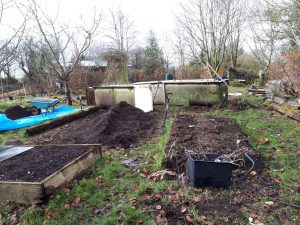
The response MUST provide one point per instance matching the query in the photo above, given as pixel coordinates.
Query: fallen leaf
(121, 174)
(76, 201)
(277, 181)
(286, 222)
(269, 203)
(197, 199)
(97, 211)
(49, 214)
(99, 178)
(226, 220)
(13, 219)
(172, 198)
(253, 173)
(209, 223)
(157, 196)
(66, 190)
(133, 201)
(189, 218)
(183, 210)
(250, 219)
(197, 190)
(158, 207)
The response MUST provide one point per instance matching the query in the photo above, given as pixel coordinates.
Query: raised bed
(59, 121)
(23, 181)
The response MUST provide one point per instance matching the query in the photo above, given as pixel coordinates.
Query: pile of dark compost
(38, 163)
(121, 125)
(17, 112)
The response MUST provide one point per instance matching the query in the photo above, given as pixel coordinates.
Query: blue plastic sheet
(7, 124)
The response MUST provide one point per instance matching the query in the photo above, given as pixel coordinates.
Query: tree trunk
(68, 92)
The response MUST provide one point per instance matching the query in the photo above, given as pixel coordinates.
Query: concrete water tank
(138, 96)
(143, 97)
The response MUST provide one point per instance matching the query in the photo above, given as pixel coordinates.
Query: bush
(236, 83)
(257, 84)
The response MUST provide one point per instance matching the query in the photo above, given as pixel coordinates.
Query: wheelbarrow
(43, 103)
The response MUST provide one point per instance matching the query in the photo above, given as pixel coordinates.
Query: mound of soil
(38, 163)
(17, 112)
(198, 134)
(119, 126)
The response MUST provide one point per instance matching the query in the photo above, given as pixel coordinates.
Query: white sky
(158, 15)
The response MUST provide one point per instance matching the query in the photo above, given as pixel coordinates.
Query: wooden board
(282, 110)
(70, 171)
(35, 192)
(21, 192)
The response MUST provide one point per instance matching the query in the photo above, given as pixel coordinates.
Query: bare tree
(10, 43)
(66, 44)
(264, 35)
(122, 36)
(121, 31)
(207, 26)
(180, 47)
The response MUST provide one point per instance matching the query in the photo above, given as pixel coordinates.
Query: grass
(114, 194)
(276, 138)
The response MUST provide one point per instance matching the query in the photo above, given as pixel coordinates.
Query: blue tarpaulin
(7, 124)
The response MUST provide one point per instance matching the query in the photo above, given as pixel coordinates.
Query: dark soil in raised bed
(17, 112)
(38, 163)
(122, 125)
(202, 134)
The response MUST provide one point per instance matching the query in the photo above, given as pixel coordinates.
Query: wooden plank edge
(68, 172)
(280, 110)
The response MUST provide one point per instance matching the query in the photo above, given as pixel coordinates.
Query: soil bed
(38, 163)
(198, 134)
(122, 125)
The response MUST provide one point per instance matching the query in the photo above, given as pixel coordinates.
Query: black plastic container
(204, 173)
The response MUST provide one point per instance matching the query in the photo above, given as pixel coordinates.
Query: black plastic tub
(204, 173)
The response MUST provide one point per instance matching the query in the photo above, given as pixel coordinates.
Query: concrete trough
(138, 96)
(189, 92)
(144, 94)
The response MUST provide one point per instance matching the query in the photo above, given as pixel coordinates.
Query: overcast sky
(158, 15)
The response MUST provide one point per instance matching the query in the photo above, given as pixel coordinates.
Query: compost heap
(120, 126)
(17, 112)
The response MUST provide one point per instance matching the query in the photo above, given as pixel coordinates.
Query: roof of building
(93, 63)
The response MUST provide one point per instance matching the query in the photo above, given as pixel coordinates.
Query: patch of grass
(276, 138)
(13, 135)
(9, 103)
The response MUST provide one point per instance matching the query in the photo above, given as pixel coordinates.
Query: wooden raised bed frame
(35, 192)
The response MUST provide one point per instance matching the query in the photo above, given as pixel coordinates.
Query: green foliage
(241, 73)
(257, 83)
(236, 83)
(251, 101)
(153, 55)
(249, 62)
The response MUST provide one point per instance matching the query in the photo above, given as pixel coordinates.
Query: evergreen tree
(153, 55)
